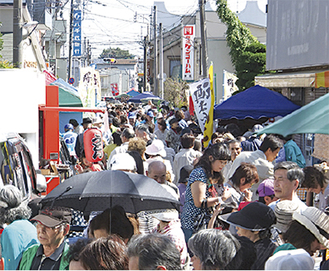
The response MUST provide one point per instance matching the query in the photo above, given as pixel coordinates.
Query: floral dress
(190, 211)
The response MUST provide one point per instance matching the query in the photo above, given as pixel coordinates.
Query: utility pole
(146, 41)
(88, 53)
(203, 39)
(161, 61)
(155, 50)
(17, 34)
(70, 40)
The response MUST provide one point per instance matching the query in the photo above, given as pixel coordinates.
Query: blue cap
(131, 115)
(150, 114)
(68, 126)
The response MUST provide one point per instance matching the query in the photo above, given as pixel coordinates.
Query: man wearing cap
(149, 117)
(53, 224)
(132, 118)
(70, 138)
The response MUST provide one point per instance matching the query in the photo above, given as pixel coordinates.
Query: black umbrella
(97, 191)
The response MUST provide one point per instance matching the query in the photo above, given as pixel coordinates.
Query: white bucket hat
(123, 161)
(157, 147)
(313, 219)
(167, 215)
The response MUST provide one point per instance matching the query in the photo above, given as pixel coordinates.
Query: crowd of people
(240, 207)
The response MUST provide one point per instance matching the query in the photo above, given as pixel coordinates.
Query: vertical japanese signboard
(188, 52)
(89, 87)
(201, 96)
(229, 84)
(76, 33)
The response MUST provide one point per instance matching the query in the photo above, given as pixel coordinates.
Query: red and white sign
(188, 52)
(115, 90)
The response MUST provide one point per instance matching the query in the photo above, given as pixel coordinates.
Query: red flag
(191, 106)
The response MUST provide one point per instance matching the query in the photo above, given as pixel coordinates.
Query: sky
(110, 23)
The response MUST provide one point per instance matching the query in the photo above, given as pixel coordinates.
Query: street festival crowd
(240, 201)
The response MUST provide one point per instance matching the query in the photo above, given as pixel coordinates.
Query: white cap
(157, 147)
(123, 161)
(296, 259)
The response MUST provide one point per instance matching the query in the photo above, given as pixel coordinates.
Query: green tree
(116, 53)
(174, 91)
(248, 55)
(251, 63)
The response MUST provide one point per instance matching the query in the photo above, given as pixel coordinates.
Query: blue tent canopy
(132, 93)
(144, 95)
(255, 102)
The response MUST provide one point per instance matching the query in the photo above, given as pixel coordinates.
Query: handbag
(201, 221)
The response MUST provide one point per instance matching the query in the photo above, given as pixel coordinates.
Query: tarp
(144, 95)
(132, 93)
(255, 102)
(312, 118)
(68, 95)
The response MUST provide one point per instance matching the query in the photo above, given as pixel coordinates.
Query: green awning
(312, 118)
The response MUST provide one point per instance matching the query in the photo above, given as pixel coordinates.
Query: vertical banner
(229, 84)
(114, 89)
(89, 87)
(188, 52)
(208, 128)
(76, 33)
(201, 96)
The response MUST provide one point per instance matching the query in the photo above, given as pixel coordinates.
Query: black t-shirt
(264, 250)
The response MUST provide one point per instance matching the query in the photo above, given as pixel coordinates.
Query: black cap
(184, 173)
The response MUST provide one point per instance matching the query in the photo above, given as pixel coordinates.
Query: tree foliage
(250, 64)
(4, 64)
(248, 55)
(116, 53)
(174, 91)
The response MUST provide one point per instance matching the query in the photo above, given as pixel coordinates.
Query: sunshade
(68, 96)
(132, 93)
(97, 191)
(255, 102)
(312, 118)
(144, 95)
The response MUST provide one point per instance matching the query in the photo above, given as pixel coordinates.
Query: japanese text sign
(188, 52)
(201, 96)
(76, 33)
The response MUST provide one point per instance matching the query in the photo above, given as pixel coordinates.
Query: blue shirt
(15, 239)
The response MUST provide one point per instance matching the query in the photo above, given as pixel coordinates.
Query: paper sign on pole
(201, 96)
(229, 84)
(89, 87)
(188, 52)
